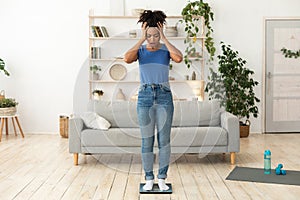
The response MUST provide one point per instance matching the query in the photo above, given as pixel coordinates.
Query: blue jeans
(155, 108)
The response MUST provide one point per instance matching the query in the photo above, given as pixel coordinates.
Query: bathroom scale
(155, 189)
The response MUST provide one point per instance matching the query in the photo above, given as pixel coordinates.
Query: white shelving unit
(114, 47)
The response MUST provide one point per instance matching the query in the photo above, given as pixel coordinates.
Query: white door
(282, 76)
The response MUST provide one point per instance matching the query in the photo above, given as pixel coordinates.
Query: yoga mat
(257, 175)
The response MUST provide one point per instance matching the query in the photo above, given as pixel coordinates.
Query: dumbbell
(280, 171)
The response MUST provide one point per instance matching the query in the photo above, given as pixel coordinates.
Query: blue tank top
(154, 65)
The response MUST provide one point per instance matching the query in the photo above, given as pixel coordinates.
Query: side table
(4, 120)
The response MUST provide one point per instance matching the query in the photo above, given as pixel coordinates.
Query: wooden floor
(40, 167)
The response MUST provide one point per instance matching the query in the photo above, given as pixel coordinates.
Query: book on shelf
(99, 31)
(95, 53)
(104, 31)
(94, 32)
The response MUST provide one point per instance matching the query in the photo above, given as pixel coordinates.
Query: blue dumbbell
(277, 171)
(280, 171)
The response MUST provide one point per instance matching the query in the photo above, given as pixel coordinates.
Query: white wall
(45, 45)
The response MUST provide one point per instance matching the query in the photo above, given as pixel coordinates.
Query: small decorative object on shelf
(132, 33)
(137, 11)
(171, 31)
(120, 95)
(2, 94)
(97, 94)
(194, 75)
(94, 69)
(117, 72)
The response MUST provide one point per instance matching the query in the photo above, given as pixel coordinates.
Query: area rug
(257, 175)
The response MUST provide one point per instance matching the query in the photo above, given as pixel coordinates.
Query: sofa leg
(232, 158)
(75, 156)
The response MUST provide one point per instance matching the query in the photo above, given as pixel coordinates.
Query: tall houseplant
(191, 14)
(2, 67)
(233, 86)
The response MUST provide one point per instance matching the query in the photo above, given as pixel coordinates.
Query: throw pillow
(95, 121)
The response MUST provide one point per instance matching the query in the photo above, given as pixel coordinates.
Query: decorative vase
(120, 95)
(171, 31)
(97, 97)
(2, 94)
(95, 76)
(194, 75)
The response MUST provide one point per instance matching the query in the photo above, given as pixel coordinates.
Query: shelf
(112, 81)
(108, 59)
(126, 17)
(137, 38)
(196, 59)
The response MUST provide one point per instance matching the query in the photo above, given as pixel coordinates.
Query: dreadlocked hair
(152, 18)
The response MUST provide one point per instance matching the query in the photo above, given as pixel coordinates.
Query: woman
(155, 103)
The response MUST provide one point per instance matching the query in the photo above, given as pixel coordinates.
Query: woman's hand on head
(160, 28)
(144, 31)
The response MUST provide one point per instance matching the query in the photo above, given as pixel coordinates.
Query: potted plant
(8, 107)
(2, 67)
(94, 69)
(97, 94)
(233, 86)
(192, 13)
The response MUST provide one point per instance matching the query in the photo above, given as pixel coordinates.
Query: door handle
(269, 75)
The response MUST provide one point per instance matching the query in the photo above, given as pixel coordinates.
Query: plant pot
(2, 94)
(244, 129)
(95, 76)
(10, 111)
(63, 126)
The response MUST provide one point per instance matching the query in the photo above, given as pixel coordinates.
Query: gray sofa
(198, 127)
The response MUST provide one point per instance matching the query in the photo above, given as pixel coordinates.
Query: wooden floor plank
(187, 178)
(120, 181)
(174, 177)
(135, 173)
(200, 176)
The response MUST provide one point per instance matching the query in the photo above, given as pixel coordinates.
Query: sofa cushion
(180, 137)
(198, 136)
(93, 120)
(118, 113)
(186, 113)
(196, 113)
(115, 137)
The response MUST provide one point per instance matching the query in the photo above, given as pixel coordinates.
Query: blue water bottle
(267, 162)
